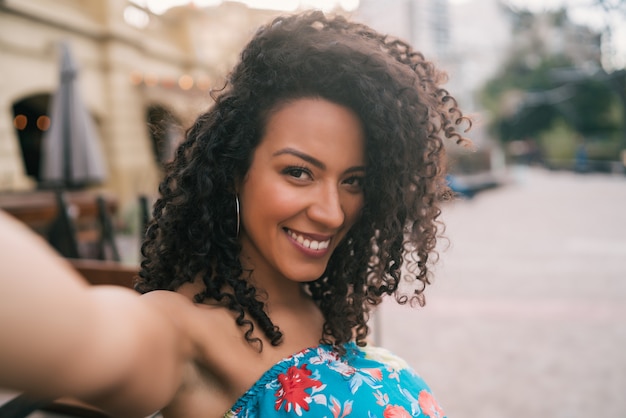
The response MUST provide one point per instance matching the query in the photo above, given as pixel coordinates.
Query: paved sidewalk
(527, 313)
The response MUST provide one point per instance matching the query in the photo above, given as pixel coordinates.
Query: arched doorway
(31, 120)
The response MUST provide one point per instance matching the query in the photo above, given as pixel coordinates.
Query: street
(526, 315)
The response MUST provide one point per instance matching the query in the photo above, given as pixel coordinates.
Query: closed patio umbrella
(71, 153)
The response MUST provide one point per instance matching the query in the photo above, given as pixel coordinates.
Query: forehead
(316, 126)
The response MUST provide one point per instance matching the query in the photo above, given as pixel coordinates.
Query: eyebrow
(312, 160)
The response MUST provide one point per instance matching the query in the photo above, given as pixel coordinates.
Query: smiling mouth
(308, 242)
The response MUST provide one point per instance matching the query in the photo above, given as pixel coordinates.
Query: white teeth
(305, 242)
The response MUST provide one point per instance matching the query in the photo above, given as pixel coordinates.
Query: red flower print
(429, 405)
(395, 411)
(375, 373)
(292, 393)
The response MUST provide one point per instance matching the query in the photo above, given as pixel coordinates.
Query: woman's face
(304, 190)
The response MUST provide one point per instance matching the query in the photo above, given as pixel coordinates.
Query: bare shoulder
(210, 331)
(197, 320)
(169, 302)
(174, 308)
(194, 321)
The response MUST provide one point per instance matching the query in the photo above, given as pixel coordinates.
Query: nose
(326, 208)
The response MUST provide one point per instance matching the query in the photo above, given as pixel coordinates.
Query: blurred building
(143, 76)
(469, 38)
(424, 24)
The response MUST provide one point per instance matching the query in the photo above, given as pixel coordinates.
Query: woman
(304, 195)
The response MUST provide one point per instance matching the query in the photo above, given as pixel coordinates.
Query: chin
(305, 277)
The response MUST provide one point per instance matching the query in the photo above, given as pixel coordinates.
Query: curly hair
(406, 117)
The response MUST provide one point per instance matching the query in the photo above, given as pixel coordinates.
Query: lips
(309, 242)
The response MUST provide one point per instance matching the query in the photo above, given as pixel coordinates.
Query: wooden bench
(78, 224)
(38, 209)
(105, 272)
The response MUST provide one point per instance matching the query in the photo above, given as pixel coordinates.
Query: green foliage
(606, 148)
(531, 103)
(519, 119)
(559, 142)
(588, 106)
(528, 122)
(544, 96)
(592, 107)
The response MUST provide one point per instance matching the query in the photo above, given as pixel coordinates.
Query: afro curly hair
(406, 117)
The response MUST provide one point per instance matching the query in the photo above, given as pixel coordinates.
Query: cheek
(270, 199)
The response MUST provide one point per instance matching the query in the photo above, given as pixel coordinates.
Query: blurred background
(527, 313)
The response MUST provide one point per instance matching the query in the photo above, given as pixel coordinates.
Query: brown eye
(355, 182)
(300, 173)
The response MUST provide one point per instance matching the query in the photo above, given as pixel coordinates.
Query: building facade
(144, 77)
(425, 24)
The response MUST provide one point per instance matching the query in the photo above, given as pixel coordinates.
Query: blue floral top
(317, 382)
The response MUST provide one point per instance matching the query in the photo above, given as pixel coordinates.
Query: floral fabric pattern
(317, 382)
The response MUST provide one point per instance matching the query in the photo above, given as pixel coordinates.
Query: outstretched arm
(60, 336)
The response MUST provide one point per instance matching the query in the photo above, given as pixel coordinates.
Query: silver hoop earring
(238, 214)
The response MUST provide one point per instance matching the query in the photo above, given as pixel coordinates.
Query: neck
(279, 292)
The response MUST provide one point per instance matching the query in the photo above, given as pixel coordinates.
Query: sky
(160, 6)
(579, 11)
